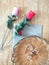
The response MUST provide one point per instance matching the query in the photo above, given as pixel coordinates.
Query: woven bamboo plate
(31, 50)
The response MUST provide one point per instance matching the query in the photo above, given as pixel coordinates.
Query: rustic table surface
(40, 7)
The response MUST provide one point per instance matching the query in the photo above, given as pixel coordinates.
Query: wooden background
(40, 7)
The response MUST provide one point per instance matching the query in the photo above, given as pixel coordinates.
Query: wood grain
(41, 8)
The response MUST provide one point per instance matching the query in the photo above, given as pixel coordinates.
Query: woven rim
(33, 37)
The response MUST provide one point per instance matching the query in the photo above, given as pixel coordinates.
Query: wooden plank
(31, 5)
(41, 8)
(6, 7)
(43, 17)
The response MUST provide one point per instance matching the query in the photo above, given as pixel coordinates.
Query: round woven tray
(31, 50)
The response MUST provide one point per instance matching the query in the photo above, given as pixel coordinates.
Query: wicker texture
(30, 51)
